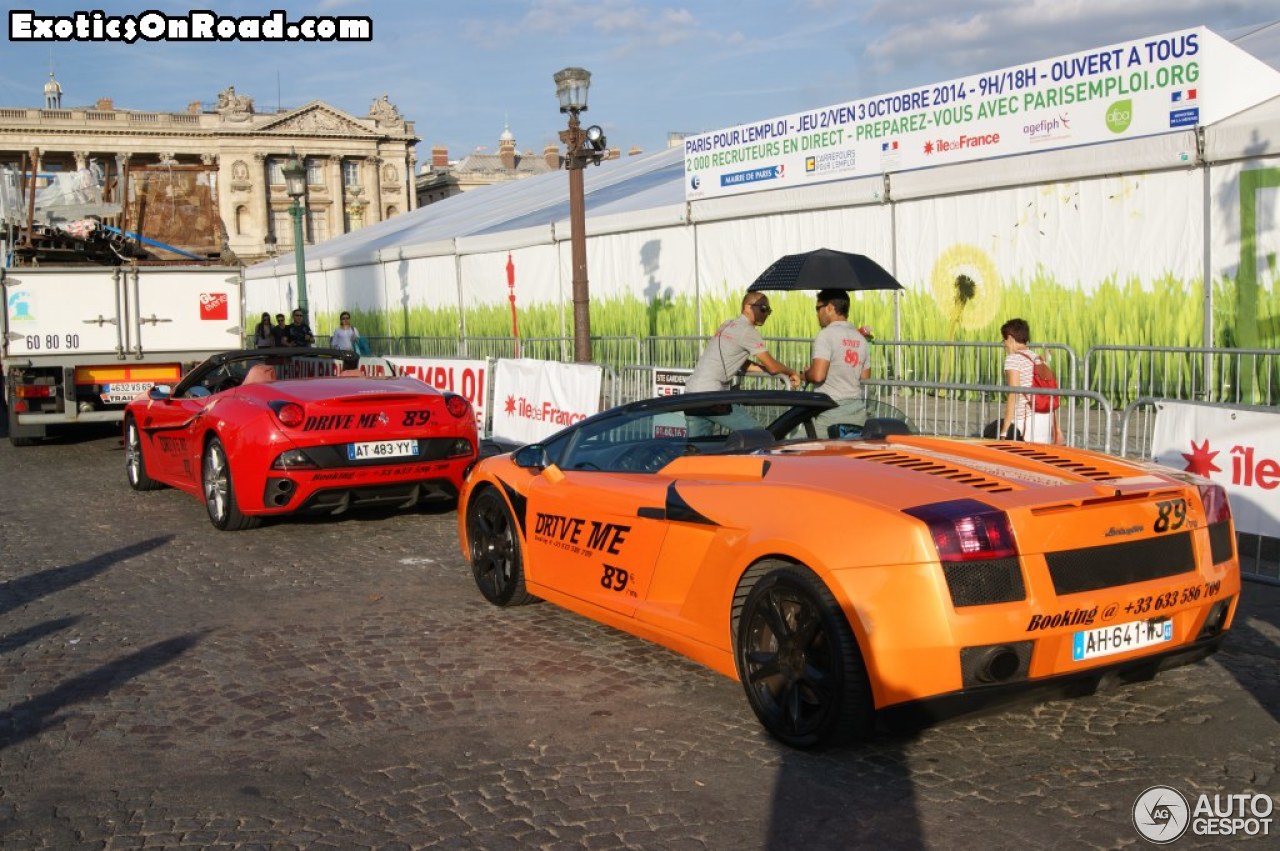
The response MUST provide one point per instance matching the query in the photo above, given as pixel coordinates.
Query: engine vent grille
(1037, 452)
(934, 468)
(1111, 565)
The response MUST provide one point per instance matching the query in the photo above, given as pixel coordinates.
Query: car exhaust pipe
(993, 664)
(279, 492)
(998, 664)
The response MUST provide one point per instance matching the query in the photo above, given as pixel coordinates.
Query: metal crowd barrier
(1125, 374)
(966, 410)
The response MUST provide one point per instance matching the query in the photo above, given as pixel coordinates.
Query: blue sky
(459, 71)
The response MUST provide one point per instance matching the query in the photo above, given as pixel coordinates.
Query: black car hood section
(678, 509)
(519, 504)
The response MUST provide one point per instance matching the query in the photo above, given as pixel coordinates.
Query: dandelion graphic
(966, 287)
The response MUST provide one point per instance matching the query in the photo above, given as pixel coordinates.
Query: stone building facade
(442, 179)
(360, 169)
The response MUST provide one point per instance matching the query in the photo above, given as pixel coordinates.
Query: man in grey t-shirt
(736, 347)
(841, 359)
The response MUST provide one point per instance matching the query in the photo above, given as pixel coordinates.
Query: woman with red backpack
(1026, 416)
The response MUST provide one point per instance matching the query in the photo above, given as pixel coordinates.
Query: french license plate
(382, 449)
(124, 391)
(1119, 638)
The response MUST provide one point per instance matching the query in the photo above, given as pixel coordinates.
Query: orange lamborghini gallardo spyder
(838, 564)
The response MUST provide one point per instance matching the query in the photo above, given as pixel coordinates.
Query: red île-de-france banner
(1235, 448)
(533, 399)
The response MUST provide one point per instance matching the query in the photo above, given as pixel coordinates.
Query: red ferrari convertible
(277, 431)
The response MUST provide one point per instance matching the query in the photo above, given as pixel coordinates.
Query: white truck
(79, 342)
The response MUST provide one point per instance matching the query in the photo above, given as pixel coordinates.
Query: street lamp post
(581, 148)
(295, 182)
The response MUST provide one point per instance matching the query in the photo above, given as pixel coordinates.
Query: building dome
(507, 135)
(52, 93)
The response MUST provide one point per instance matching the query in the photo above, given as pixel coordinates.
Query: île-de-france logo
(1200, 459)
(1161, 815)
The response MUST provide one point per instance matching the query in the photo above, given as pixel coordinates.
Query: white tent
(1091, 243)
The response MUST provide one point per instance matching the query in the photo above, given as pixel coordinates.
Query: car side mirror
(160, 392)
(533, 456)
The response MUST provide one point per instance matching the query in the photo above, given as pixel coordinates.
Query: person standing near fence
(1019, 408)
(737, 347)
(263, 338)
(280, 331)
(299, 331)
(841, 359)
(345, 336)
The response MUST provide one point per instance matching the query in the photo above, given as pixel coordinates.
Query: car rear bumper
(334, 492)
(925, 711)
(402, 495)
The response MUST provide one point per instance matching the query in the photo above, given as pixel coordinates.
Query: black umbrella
(823, 269)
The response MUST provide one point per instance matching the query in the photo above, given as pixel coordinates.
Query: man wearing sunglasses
(737, 348)
(300, 332)
(841, 359)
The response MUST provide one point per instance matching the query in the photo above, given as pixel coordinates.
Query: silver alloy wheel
(133, 453)
(217, 482)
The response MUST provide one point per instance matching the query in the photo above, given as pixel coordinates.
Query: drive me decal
(580, 536)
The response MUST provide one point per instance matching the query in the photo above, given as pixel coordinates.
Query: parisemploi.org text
(27, 25)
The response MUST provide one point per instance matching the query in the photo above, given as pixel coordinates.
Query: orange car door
(586, 535)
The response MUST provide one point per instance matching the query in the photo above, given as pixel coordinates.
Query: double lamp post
(295, 183)
(582, 147)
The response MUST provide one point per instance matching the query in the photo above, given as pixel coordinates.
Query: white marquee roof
(647, 190)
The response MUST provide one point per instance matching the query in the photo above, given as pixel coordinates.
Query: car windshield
(258, 366)
(640, 438)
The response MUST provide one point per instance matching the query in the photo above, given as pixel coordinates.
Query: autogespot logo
(1161, 814)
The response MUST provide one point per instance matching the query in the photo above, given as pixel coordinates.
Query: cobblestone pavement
(339, 683)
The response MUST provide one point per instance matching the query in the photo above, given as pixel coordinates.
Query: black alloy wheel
(798, 658)
(495, 550)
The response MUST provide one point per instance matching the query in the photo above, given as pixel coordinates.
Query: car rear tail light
(967, 530)
(1214, 499)
(457, 405)
(33, 391)
(461, 446)
(290, 414)
(293, 459)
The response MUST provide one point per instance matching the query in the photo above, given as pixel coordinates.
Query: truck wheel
(219, 492)
(135, 464)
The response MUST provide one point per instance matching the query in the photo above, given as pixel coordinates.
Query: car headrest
(878, 428)
(747, 440)
(259, 373)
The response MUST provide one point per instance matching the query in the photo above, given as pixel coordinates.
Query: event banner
(1136, 88)
(533, 399)
(1236, 448)
(467, 378)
